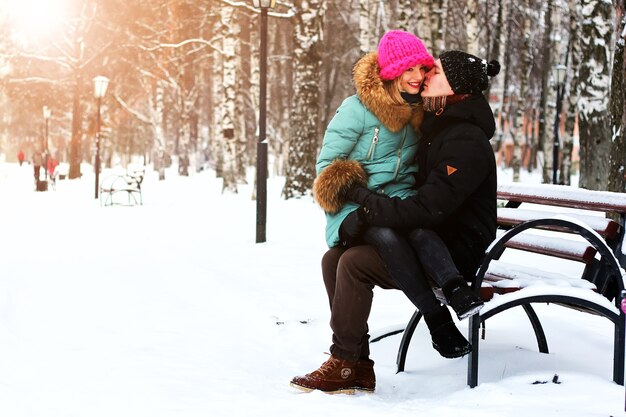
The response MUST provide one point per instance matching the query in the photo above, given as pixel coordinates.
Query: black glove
(358, 194)
(352, 227)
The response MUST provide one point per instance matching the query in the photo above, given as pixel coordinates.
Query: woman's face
(411, 79)
(435, 83)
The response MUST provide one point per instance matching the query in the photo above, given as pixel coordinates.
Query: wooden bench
(128, 184)
(560, 233)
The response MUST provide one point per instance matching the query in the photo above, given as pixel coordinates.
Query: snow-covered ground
(171, 309)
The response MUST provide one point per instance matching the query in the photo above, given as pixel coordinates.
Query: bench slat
(572, 250)
(506, 275)
(563, 196)
(513, 216)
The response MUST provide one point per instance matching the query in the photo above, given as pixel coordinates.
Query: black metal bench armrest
(498, 246)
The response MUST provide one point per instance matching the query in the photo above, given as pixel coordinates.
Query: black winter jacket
(456, 183)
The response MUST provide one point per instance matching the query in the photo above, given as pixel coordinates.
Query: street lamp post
(261, 149)
(100, 84)
(47, 113)
(559, 76)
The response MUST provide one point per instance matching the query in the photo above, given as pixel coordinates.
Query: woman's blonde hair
(392, 87)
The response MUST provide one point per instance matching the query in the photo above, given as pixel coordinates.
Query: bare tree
(546, 104)
(571, 96)
(594, 77)
(230, 144)
(472, 27)
(370, 24)
(438, 14)
(617, 162)
(518, 111)
(305, 111)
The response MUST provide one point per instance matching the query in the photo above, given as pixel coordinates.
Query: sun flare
(34, 18)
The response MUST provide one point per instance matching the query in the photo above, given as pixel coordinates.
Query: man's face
(435, 83)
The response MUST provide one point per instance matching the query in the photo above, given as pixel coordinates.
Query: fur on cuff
(331, 186)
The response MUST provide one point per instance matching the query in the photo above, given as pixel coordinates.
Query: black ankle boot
(447, 339)
(462, 299)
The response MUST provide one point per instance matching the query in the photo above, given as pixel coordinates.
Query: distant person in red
(52, 164)
(20, 157)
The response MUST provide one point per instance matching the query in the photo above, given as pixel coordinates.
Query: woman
(455, 206)
(375, 128)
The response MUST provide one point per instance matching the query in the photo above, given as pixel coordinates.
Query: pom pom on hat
(399, 51)
(466, 73)
(493, 68)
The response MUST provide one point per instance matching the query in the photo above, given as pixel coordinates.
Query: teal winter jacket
(371, 128)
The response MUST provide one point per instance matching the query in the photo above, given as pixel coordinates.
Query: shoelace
(328, 366)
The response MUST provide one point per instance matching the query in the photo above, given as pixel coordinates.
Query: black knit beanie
(466, 73)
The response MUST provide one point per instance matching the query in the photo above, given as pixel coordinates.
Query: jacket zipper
(395, 175)
(370, 152)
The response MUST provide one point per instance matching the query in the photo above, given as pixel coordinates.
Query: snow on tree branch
(180, 44)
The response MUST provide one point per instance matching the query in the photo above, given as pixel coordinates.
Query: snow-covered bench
(553, 229)
(128, 184)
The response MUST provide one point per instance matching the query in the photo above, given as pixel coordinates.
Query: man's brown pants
(350, 276)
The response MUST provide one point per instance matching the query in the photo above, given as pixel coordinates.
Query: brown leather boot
(365, 377)
(335, 376)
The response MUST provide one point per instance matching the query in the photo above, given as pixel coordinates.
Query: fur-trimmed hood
(370, 90)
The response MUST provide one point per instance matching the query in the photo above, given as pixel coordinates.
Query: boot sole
(347, 391)
(456, 355)
(470, 312)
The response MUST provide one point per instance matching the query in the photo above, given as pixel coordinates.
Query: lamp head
(100, 84)
(560, 72)
(264, 3)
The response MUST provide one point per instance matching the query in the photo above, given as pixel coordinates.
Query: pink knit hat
(398, 51)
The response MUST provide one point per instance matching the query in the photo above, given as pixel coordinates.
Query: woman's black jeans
(412, 260)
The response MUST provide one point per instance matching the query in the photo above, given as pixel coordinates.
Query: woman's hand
(352, 227)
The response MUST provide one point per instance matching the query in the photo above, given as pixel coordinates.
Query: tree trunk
(247, 115)
(518, 130)
(494, 51)
(617, 106)
(158, 127)
(77, 118)
(281, 94)
(593, 117)
(305, 112)
(229, 64)
(423, 24)
(505, 115)
(571, 102)
(546, 106)
(472, 29)
(367, 25)
(411, 17)
(438, 25)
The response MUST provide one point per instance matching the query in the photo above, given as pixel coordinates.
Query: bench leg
(472, 360)
(406, 340)
(382, 336)
(542, 342)
(136, 201)
(618, 350)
